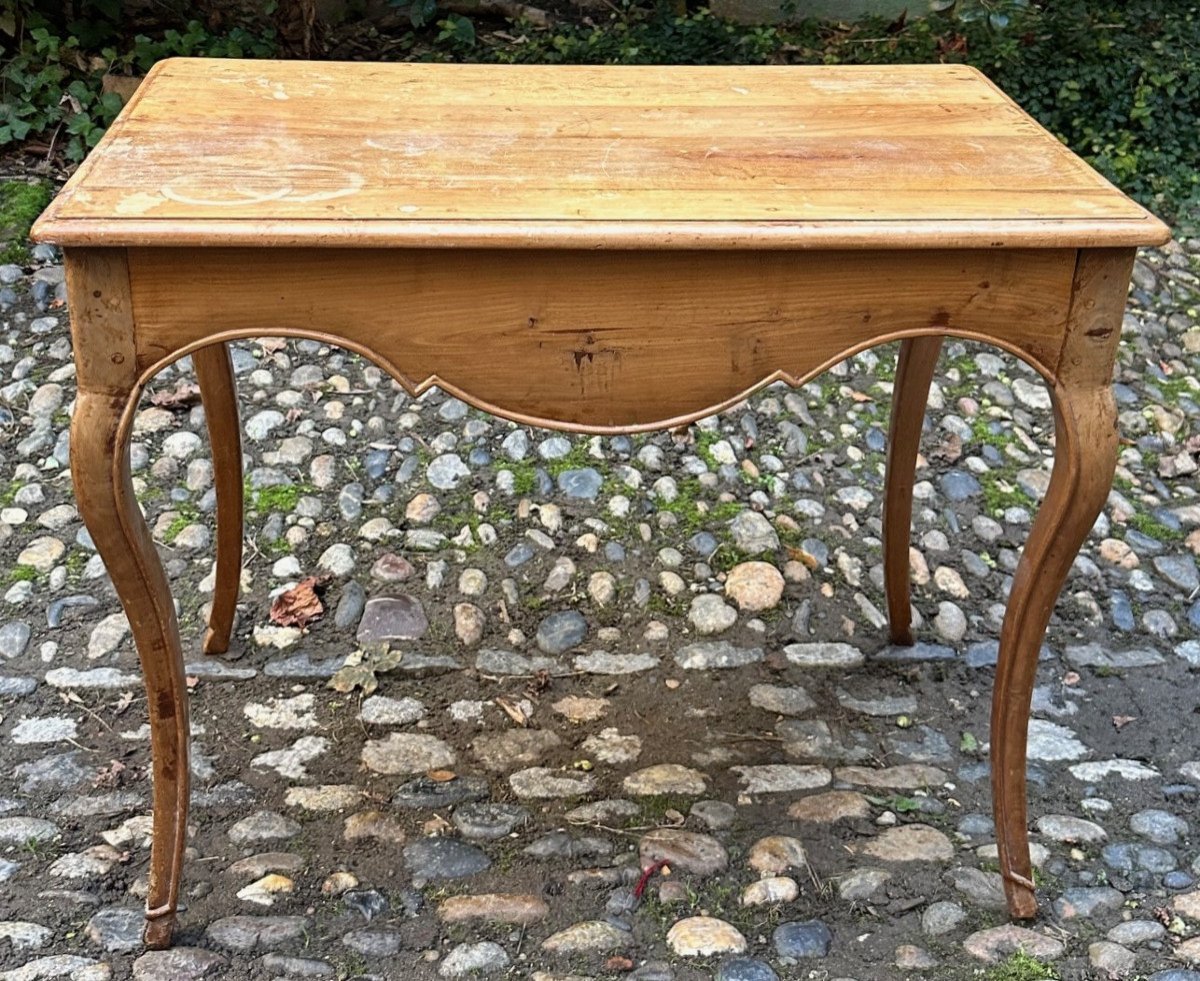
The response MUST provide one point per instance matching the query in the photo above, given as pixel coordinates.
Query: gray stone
(824, 655)
(942, 917)
(248, 933)
(561, 631)
(263, 826)
(389, 618)
(407, 753)
(116, 928)
(14, 638)
(1160, 827)
(493, 662)
(431, 859)
(485, 957)
(1087, 902)
(580, 485)
(744, 969)
(23, 830)
(489, 820)
(177, 964)
(752, 533)
(782, 701)
(446, 471)
(601, 662)
(705, 655)
(794, 941)
(1180, 571)
(350, 606)
(1095, 656)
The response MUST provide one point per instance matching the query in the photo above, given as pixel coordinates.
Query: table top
(233, 152)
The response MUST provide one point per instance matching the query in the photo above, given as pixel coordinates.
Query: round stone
(754, 586)
(469, 960)
(710, 614)
(794, 941)
(704, 936)
(776, 853)
(561, 631)
(769, 892)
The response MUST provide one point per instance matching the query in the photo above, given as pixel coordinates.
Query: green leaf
(968, 743)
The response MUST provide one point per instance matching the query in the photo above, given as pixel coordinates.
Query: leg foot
(1085, 456)
(914, 373)
(214, 371)
(104, 493)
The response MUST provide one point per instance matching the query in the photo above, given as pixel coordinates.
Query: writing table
(597, 249)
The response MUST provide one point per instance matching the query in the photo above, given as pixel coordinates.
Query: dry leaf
(436, 825)
(856, 396)
(1120, 721)
(442, 776)
(513, 710)
(354, 676)
(800, 555)
(109, 776)
(300, 605)
(123, 702)
(184, 395)
(272, 345)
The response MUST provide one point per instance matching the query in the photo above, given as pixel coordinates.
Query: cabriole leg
(104, 494)
(1085, 455)
(914, 373)
(214, 371)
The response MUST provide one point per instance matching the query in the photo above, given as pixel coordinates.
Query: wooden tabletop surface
(231, 152)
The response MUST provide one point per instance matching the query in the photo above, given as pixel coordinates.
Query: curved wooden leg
(104, 492)
(214, 371)
(1085, 457)
(914, 373)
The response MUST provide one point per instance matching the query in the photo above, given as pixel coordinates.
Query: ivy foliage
(1117, 80)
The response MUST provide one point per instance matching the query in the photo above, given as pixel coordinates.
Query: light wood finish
(428, 155)
(1085, 458)
(594, 249)
(100, 430)
(600, 342)
(214, 372)
(914, 374)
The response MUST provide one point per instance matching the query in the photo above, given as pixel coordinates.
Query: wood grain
(214, 372)
(914, 374)
(599, 342)
(423, 154)
(1085, 457)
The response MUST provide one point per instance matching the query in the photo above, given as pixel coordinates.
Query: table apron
(598, 341)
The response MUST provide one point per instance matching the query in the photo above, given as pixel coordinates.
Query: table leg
(1085, 455)
(214, 371)
(914, 373)
(100, 429)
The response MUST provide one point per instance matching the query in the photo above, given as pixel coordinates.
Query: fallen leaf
(618, 963)
(800, 555)
(184, 395)
(300, 605)
(354, 676)
(442, 776)
(513, 711)
(272, 345)
(109, 776)
(1120, 721)
(856, 396)
(436, 825)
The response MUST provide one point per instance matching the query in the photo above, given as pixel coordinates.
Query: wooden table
(594, 249)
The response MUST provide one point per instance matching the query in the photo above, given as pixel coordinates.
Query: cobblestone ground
(612, 651)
